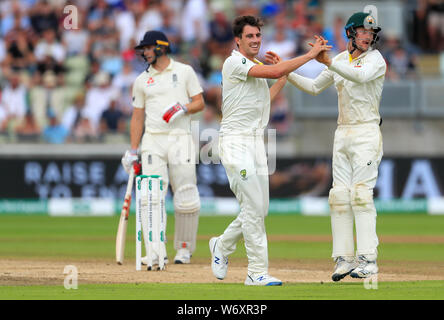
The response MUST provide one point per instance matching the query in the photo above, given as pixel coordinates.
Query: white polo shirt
(154, 91)
(245, 100)
(358, 82)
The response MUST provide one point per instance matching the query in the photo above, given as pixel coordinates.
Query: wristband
(185, 109)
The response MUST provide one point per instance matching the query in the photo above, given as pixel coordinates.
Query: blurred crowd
(67, 67)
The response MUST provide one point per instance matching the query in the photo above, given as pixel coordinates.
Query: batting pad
(186, 209)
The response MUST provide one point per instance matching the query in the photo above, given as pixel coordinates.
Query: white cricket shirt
(245, 100)
(358, 82)
(154, 91)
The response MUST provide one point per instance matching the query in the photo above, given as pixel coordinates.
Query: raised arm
(285, 67)
(312, 86)
(370, 70)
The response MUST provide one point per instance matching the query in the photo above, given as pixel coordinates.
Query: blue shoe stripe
(276, 283)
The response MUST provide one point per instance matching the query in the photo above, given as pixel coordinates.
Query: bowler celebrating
(245, 114)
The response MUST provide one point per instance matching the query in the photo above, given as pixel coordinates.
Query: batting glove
(173, 112)
(128, 160)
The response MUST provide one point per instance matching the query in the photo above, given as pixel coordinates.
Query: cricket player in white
(245, 114)
(164, 96)
(358, 75)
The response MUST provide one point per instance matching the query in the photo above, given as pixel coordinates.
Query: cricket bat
(123, 223)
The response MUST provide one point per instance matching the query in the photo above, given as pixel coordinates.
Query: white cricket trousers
(245, 162)
(357, 152)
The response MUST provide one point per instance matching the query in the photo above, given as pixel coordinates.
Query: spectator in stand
(50, 53)
(14, 17)
(94, 70)
(112, 119)
(47, 97)
(125, 24)
(336, 35)
(195, 28)
(171, 30)
(98, 99)
(151, 18)
(283, 41)
(122, 83)
(43, 16)
(280, 115)
(28, 130)
(14, 100)
(84, 131)
(19, 51)
(73, 113)
(3, 119)
(76, 41)
(401, 65)
(435, 25)
(221, 35)
(54, 132)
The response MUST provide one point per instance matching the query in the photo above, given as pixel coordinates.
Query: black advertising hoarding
(405, 178)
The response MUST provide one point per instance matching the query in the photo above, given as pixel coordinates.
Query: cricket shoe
(262, 280)
(365, 269)
(344, 266)
(219, 262)
(155, 260)
(183, 256)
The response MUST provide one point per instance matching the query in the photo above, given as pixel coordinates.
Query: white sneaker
(183, 256)
(365, 269)
(155, 260)
(344, 266)
(219, 262)
(262, 280)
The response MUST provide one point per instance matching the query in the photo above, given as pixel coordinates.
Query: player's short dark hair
(240, 22)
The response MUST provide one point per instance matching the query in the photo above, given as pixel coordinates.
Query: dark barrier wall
(406, 178)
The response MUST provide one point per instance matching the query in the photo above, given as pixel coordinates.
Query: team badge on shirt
(243, 174)
(174, 80)
(358, 64)
(150, 81)
(244, 60)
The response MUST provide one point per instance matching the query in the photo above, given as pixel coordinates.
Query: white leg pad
(186, 209)
(341, 222)
(365, 219)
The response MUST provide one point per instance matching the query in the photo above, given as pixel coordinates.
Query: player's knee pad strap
(339, 199)
(186, 200)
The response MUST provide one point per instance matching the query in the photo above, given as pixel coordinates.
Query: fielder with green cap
(358, 75)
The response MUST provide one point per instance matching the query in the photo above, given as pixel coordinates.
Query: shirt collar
(237, 53)
(153, 71)
(362, 55)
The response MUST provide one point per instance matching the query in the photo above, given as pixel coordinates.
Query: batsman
(164, 97)
(358, 74)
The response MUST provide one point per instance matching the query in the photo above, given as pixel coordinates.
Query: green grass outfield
(415, 290)
(83, 238)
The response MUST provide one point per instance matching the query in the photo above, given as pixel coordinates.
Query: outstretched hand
(319, 50)
(272, 57)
